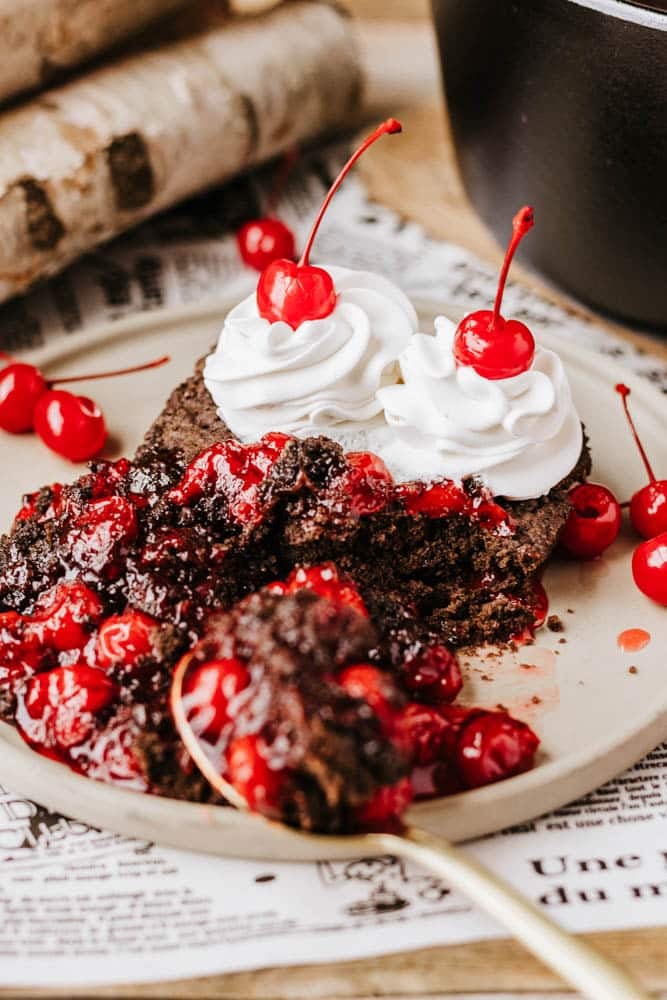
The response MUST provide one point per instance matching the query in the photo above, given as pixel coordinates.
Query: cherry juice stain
(633, 639)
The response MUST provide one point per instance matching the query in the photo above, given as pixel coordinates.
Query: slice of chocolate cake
(467, 561)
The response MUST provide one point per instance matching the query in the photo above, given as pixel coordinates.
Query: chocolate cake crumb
(633, 670)
(562, 640)
(555, 623)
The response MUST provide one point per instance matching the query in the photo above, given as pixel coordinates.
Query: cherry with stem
(72, 426)
(295, 293)
(648, 506)
(495, 347)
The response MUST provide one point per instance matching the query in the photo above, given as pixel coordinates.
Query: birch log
(81, 164)
(39, 38)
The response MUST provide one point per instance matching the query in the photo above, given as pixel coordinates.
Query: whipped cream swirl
(268, 377)
(520, 435)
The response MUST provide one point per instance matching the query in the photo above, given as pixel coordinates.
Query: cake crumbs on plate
(555, 623)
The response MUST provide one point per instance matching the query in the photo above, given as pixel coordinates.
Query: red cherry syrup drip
(648, 507)
(631, 640)
(495, 347)
(294, 293)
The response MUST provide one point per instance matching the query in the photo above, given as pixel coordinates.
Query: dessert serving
(324, 513)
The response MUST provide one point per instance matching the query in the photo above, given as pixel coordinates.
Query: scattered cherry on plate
(649, 568)
(648, 507)
(261, 241)
(593, 523)
(495, 347)
(21, 386)
(294, 293)
(72, 426)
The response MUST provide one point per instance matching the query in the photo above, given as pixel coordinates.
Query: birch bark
(39, 38)
(82, 163)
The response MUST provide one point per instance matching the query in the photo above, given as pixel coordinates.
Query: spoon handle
(575, 961)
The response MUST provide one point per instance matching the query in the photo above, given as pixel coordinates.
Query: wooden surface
(418, 178)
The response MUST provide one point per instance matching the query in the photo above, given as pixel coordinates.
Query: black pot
(562, 104)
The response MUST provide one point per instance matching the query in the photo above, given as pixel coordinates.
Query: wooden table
(418, 178)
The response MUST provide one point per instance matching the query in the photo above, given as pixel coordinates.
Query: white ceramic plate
(593, 715)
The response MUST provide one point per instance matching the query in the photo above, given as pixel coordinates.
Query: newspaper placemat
(82, 906)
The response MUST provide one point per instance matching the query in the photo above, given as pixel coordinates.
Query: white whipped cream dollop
(520, 435)
(325, 374)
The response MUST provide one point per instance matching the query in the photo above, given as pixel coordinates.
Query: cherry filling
(493, 746)
(100, 533)
(57, 710)
(367, 486)
(124, 640)
(65, 617)
(235, 470)
(44, 504)
(325, 581)
(21, 652)
(459, 747)
(432, 675)
(210, 692)
(251, 770)
(447, 498)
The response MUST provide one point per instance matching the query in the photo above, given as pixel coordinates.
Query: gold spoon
(576, 962)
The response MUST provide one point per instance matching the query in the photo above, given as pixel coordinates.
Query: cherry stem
(388, 127)
(521, 224)
(120, 371)
(624, 392)
(286, 166)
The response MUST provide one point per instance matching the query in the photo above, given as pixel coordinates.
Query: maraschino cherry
(648, 507)
(261, 241)
(72, 426)
(593, 523)
(294, 293)
(496, 347)
(649, 568)
(21, 385)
